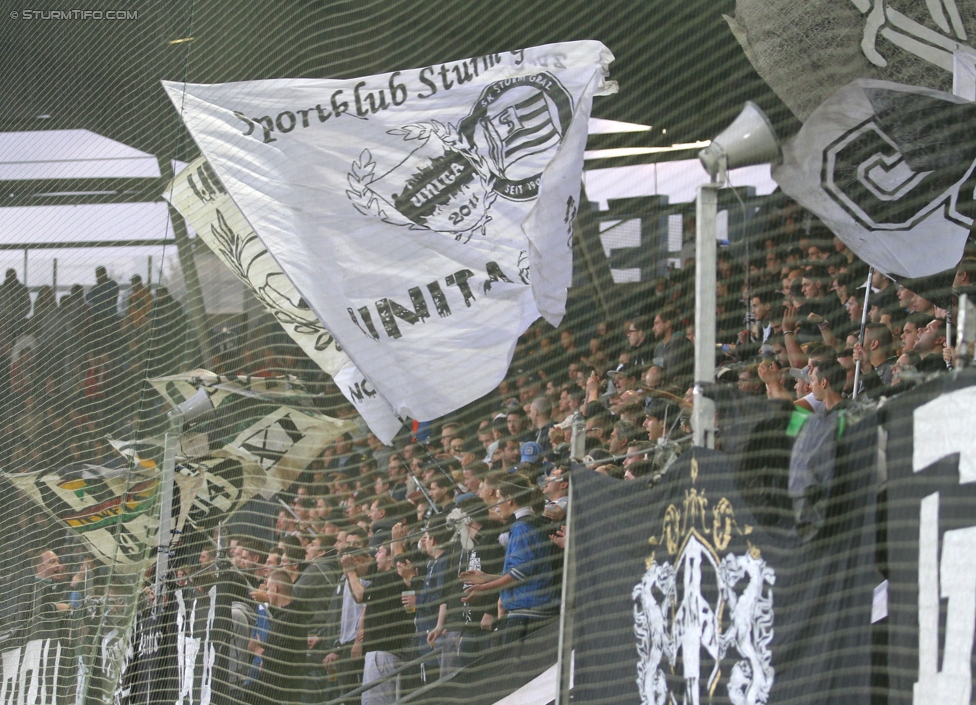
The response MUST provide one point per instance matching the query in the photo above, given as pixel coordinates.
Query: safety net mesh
(321, 381)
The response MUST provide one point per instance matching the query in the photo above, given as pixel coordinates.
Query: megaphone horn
(750, 139)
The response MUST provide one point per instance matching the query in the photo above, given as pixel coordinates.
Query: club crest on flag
(519, 124)
(112, 509)
(893, 170)
(706, 604)
(450, 180)
(890, 169)
(437, 187)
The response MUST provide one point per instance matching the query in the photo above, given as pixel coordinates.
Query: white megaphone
(195, 406)
(750, 139)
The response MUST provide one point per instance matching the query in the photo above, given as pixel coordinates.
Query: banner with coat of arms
(113, 510)
(724, 603)
(425, 216)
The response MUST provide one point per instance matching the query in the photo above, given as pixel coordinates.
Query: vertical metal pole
(170, 444)
(948, 332)
(149, 271)
(864, 322)
(221, 541)
(586, 234)
(748, 289)
(25, 266)
(564, 658)
(221, 553)
(54, 277)
(706, 214)
(965, 329)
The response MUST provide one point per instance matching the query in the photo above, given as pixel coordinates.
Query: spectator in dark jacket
(387, 624)
(283, 652)
(674, 351)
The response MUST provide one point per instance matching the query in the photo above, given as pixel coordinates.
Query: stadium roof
(680, 70)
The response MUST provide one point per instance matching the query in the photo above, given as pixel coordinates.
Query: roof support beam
(50, 192)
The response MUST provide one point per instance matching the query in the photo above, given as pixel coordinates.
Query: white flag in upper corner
(889, 169)
(202, 200)
(396, 204)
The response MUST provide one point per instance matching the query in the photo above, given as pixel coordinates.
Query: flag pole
(864, 321)
(423, 490)
(706, 212)
(564, 654)
(577, 443)
(167, 478)
(191, 409)
(948, 332)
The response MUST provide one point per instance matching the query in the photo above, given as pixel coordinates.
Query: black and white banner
(198, 195)
(180, 656)
(932, 542)
(889, 169)
(684, 595)
(194, 651)
(281, 438)
(146, 674)
(806, 51)
(37, 673)
(408, 209)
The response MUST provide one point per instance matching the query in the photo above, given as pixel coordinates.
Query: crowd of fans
(456, 543)
(72, 372)
(72, 375)
(451, 544)
(437, 555)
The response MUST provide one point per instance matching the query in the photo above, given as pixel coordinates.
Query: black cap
(626, 370)
(380, 537)
(659, 409)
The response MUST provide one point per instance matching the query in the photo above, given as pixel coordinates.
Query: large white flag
(889, 169)
(409, 208)
(201, 199)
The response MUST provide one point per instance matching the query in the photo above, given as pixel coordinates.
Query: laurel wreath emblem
(240, 252)
(362, 174)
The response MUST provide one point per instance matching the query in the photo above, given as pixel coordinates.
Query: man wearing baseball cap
(532, 453)
(533, 465)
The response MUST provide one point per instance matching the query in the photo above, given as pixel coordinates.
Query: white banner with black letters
(201, 199)
(889, 169)
(409, 208)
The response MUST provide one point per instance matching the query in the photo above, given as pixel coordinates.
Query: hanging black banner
(931, 542)
(684, 596)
